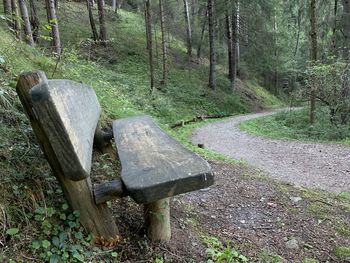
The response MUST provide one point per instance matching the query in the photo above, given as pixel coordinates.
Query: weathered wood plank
(109, 190)
(68, 112)
(154, 165)
(95, 218)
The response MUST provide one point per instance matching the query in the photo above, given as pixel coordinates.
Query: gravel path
(324, 166)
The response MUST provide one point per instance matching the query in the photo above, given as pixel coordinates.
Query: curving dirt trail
(323, 166)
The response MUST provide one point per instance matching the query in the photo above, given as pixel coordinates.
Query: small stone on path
(292, 244)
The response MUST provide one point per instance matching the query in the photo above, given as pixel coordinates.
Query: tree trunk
(237, 30)
(54, 27)
(211, 19)
(146, 25)
(313, 55)
(199, 47)
(298, 33)
(164, 43)
(234, 46)
(26, 22)
(92, 21)
(34, 20)
(8, 11)
(103, 28)
(346, 28)
(334, 31)
(119, 4)
(229, 45)
(114, 5)
(149, 42)
(188, 29)
(16, 19)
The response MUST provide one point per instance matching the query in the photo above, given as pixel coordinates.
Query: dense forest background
(180, 61)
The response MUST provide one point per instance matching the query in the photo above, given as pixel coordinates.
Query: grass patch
(294, 125)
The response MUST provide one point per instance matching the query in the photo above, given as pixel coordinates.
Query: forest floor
(316, 165)
(248, 213)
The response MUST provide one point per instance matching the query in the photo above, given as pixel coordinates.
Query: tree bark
(34, 20)
(212, 68)
(26, 22)
(298, 33)
(149, 42)
(229, 45)
(313, 55)
(199, 47)
(164, 43)
(8, 11)
(346, 28)
(334, 31)
(16, 19)
(114, 5)
(188, 29)
(92, 20)
(56, 41)
(103, 28)
(95, 218)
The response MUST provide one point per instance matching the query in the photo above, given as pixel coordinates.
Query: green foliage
(268, 257)
(295, 125)
(331, 83)
(217, 252)
(343, 253)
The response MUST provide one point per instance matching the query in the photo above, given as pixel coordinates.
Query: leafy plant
(217, 252)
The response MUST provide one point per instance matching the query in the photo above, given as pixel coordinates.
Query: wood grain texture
(157, 220)
(109, 190)
(154, 165)
(68, 112)
(95, 218)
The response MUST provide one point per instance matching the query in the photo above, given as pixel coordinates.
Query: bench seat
(154, 165)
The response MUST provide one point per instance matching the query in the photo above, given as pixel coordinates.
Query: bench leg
(157, 220)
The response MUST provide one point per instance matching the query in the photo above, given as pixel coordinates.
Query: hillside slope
(30, 201)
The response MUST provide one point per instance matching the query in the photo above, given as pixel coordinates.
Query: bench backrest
(69, 112)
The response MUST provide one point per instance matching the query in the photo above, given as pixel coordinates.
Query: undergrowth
(294, 125)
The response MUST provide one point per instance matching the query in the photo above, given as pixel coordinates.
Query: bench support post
(157, 220)
(95, 218)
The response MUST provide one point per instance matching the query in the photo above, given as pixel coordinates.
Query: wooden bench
(64, 115)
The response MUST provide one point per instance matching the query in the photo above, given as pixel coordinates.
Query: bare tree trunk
(334, 31)
(92, 20)
(101, 16)
(234, 46)
(34, 20)
(298, 33)
(8, 11)
(211, 18)
(313, 55)
(229, 45)
(119, 4)
(188, 29)
(149, 42)
(54, 27)
(114, 5)
(202, 34)
(7, 7)
(237, 30)
(164, 43)
(26, 22)
(146, 26)
(346, 27)
(16, 19)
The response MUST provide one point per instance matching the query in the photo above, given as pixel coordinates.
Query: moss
(343, 253)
